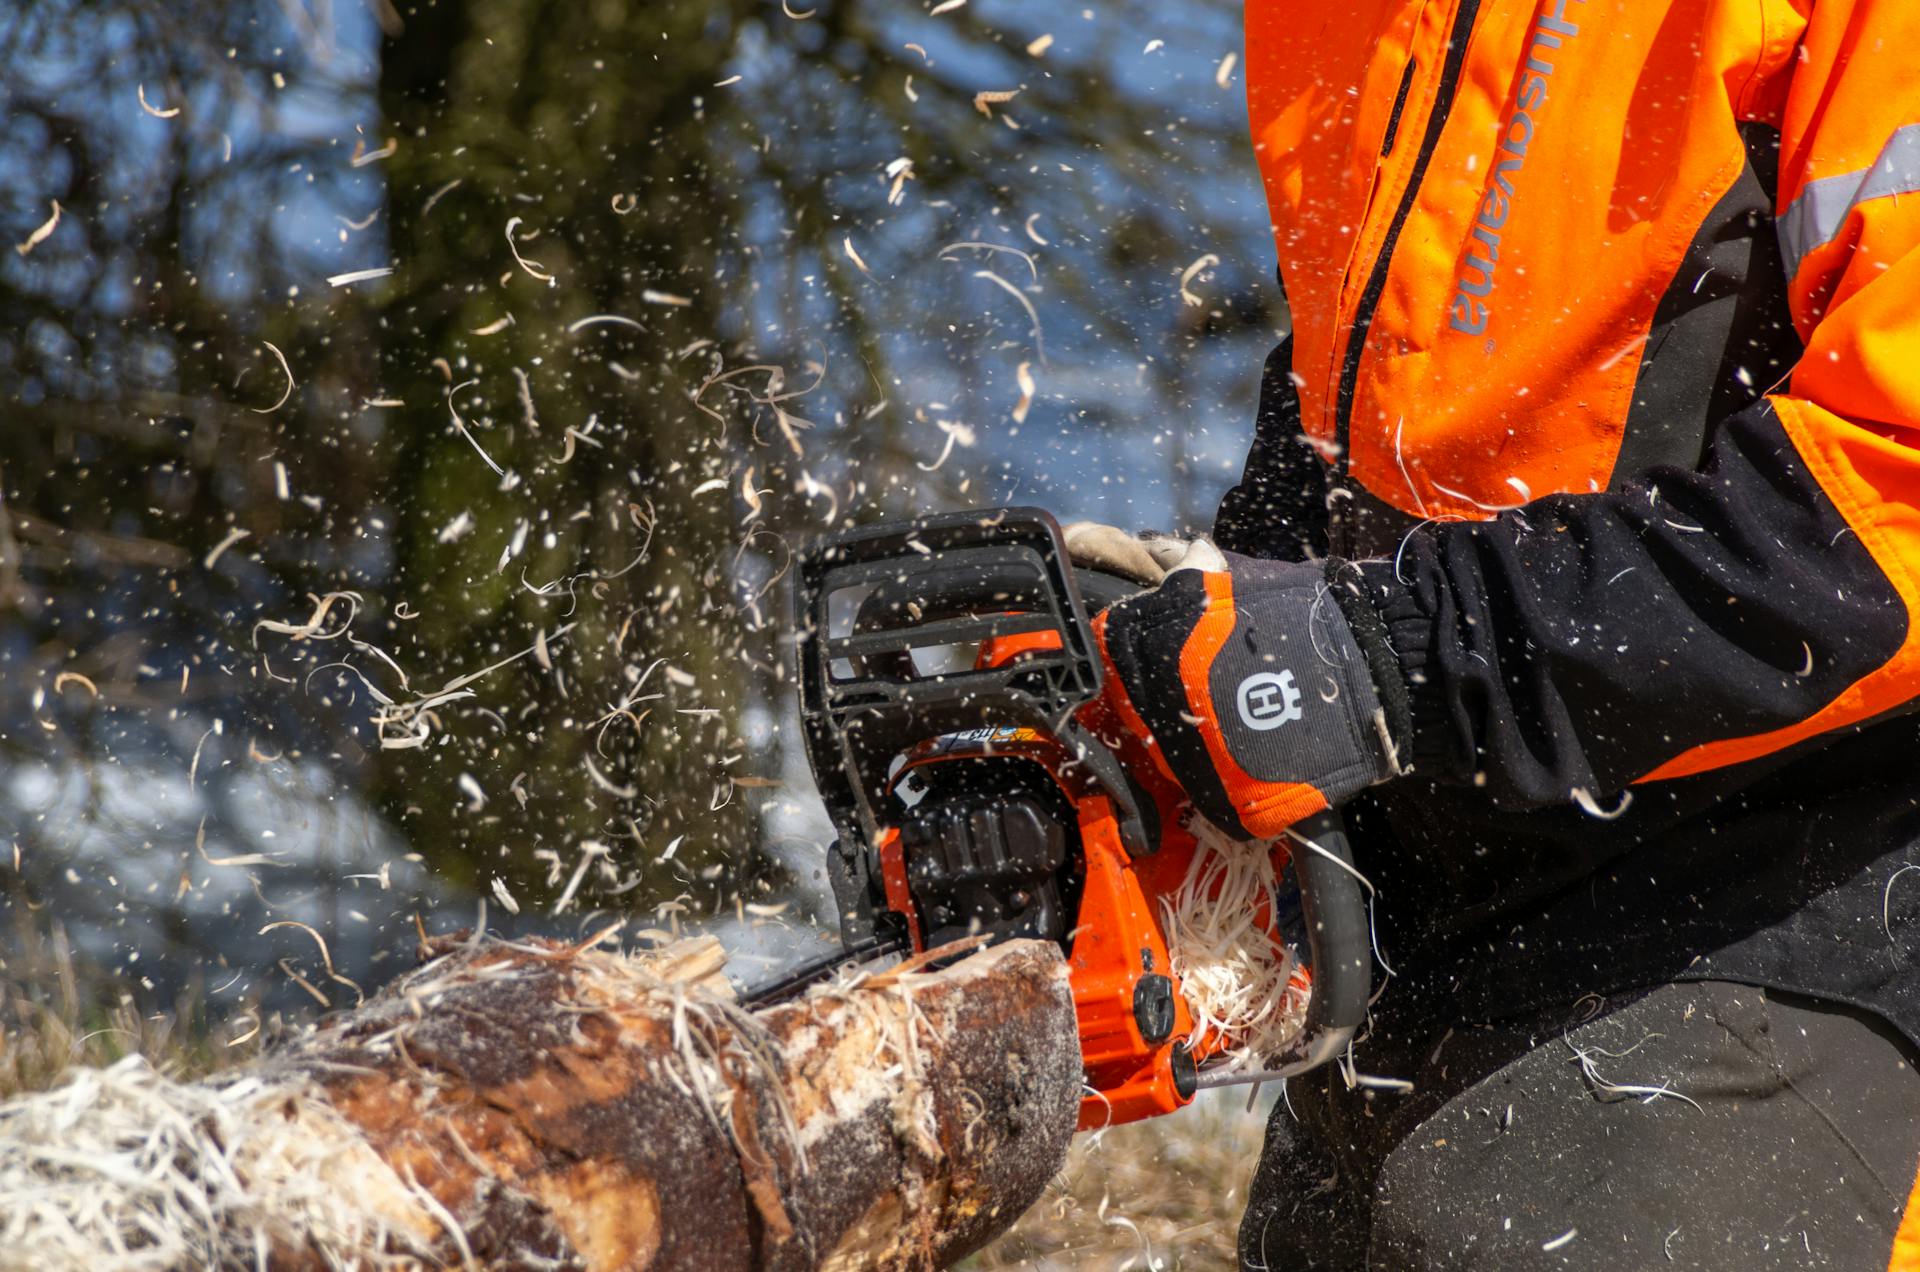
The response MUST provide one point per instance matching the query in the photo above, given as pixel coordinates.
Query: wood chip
(985, 100)
(233, 536)
(42, 233)
(288, 392)
(140, 90)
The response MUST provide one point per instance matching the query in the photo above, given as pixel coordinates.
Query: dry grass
(1163, 1194)
(56, 1013)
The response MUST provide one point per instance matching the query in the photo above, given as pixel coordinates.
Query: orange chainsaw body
(1136, 1032)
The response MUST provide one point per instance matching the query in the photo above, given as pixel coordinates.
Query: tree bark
(523, 1106)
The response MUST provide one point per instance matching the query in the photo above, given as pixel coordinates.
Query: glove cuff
(1396, 635)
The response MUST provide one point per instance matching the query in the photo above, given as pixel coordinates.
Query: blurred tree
(672, 284)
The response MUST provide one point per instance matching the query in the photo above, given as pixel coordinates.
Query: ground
(1158, 1195)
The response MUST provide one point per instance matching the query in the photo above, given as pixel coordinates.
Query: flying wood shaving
(404, 725)
(957, 434)
(900, 171)
(288, 392)
(233, 536)
(66, 678)
(788, 9)
(601, 320)
(326, 957)
(193, 766)
(140, 90)
(1886, 898)
(1205, 262)
(505, 897)
(358, 276)
(244, 859)
(314, 627)
(985, 100)
(946, 6)
(461, 425)
(749, 495)
(362, 156)
(854, 256)
(1603, 1086)
(653, 297)
(1040, 46)
(41, 234)
(1024, 374)
(590, 851)
(534, 268)
(526, 400)
(1035, 234)
(972, 246)
(607, 784)
(813, 489)
(1224, 75)
(439, 194)
(495, 327)
(1591, 807)
(1033, 315)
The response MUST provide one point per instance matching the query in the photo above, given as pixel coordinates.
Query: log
(542, 1106)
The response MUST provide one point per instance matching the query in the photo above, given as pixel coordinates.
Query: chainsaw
(945, 667)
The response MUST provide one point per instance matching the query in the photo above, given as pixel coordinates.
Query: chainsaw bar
(800, 979)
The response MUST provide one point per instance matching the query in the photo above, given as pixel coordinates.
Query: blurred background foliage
(542, 331)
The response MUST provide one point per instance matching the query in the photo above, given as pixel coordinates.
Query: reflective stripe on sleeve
(1822, 206)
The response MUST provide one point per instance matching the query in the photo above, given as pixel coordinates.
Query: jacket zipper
(1457, 40)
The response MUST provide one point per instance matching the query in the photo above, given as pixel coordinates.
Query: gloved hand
(1259, 699)
(1145, 558)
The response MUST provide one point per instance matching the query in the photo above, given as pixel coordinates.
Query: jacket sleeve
(1708, 618)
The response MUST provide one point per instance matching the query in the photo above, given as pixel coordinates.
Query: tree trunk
(523, 1106)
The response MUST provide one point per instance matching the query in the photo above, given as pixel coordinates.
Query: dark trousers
(1563, 1141)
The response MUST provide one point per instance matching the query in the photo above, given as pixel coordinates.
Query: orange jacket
(1607, 345)
(1493, 221)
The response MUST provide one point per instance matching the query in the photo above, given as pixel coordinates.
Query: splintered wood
(546, 1106)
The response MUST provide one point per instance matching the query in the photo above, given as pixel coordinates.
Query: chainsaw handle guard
(940, 581)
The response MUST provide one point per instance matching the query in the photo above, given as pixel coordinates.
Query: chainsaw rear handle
(1338, 938)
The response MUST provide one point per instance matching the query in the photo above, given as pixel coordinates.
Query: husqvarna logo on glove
(1268, 700)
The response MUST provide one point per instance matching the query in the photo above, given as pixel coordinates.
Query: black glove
(1264, 704)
